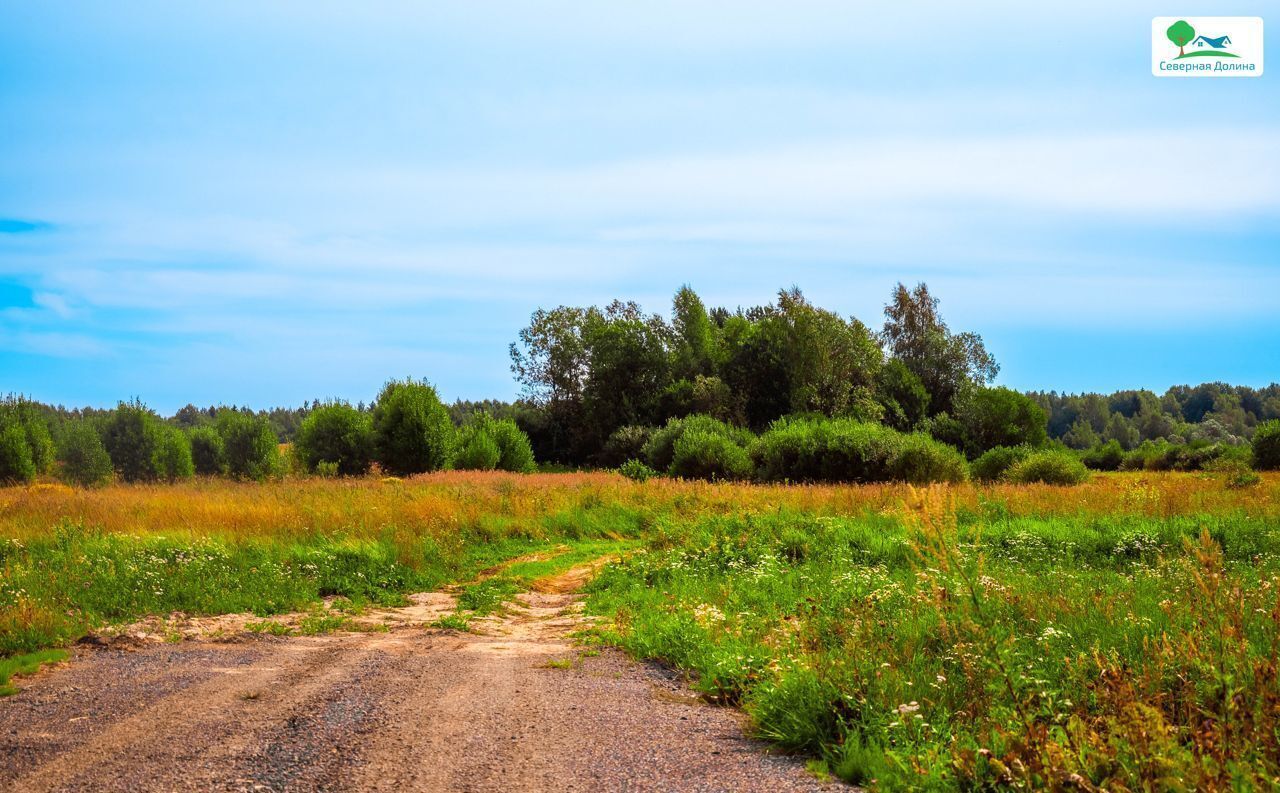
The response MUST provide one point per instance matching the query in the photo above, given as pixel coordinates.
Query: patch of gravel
(408, 710)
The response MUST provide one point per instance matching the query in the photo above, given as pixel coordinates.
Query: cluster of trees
(406, 431)
(283, 421)
(1210, 412)
(590, 374)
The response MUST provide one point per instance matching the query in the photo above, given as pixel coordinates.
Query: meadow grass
(948, 648)
(25, 664)
(1121, 633)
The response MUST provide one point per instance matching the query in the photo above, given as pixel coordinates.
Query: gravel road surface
(408, 709)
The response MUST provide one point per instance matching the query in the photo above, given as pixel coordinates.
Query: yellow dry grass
(371, 506)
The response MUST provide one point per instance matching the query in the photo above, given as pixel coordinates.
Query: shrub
(1236, 473)
(703, 454)
(85, 461)
(132, 436)
(816, 449)
(1195, 456)
(251, 448)
(1266, 446)
(1104, 457)
(26, 415)
(516, 451)
(826, 450)
(993, 463)
(946, 429)
(626, 443)
(173, 455)
(637, 471)
(1150, 455)
(16, 464)
(486, 443)
(920, 460)
(477, 451)
(339, 435)
(1053, 467)
(208, 453)
(659, 452)
(412, 431)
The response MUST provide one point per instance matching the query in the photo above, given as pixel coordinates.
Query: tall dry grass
(296, 508)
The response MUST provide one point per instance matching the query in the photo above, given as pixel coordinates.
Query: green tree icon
(1180, 33)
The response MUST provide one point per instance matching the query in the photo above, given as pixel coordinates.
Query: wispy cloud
(304, 199)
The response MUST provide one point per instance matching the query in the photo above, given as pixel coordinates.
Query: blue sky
(264, 203)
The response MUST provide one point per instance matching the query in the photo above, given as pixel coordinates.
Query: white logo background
(1246, 42)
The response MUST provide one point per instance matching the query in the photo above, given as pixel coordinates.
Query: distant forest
(596, 380)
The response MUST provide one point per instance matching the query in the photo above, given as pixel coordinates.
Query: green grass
(1024, 637)
(559, 663)
(76, 579)
(269, 627)
(453, 622)
(25, 664)
(489, 595)
(1206, 54)
(975, 651)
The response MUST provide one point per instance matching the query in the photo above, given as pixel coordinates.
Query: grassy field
(1119, 634)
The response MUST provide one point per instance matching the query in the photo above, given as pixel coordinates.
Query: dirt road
(408, 709)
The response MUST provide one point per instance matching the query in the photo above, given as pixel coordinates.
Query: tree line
(786, 390)
(600, 383)
(406, 430)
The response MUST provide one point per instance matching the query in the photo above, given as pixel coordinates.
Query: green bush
(1235, 472)
(993, 463)
(660, 451)
(920, 460)
(1160, 455)
(85, 461)
(826, 450)
(637, 471)
(626, 443)
(20, 412)
(251, 448)
(339, 435)
(703, 454)
(946, 429)
(1266, 446)
(486, 443)
(173, 455)
(412, 431)
(477, 451)
(513, 443)
(1150, 455)
(1052, 467)
(816, 449)
(208, 453)
(1104, 457)
(16, 464)
(132, 435)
